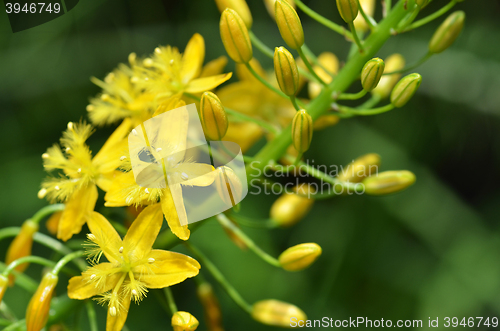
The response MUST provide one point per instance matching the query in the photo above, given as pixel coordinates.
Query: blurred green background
(431, 251)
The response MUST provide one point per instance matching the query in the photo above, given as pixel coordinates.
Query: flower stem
(264, 82)
(219, 277)
(431, 17)
(170, 300)
(413, 66)
(356, 37)
(92, 316)
(309, 67)
(293, 99)
(248, 222)
(364, 112)
(387, 7)
(322, 20)
(22, 280)
(260, 45)
(314, 59)
(62, 262)
(225, 222)
(368, 19)
(46, 211)
(27, 259)
(352, 96)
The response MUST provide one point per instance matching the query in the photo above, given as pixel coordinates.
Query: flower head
(80, 173)
(133, 265)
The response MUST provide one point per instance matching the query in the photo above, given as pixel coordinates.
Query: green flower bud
(299, 257)
(371, 73)
(405, 89)
(393, 63)
(287, 73)
(447, 32)
(184, 321)
(290, 208)
(234, 35)
(302, 130)
(289, 24)
(389, 182)
(270, 4)
(348, 9)
(213, 116)
(239, 6)
(277, 313)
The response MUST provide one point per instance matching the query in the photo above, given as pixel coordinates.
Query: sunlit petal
(193, 57)
(108, 158)
(142, 234)
(81, 287)
(115, 323)
(193, 174)
(106, 236)
(207, 83)
(175, 216)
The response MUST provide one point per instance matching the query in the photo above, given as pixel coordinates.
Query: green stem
(356, 37)
(260, 45)
(352, 96)
(368, 19)
(23, 280)
(27, 259)
(370, 103)
(16, 325)
(431, 17)
(364, 112)
(92, 316)
(265, 82)
(309, 67)
(411, 67)
(170, 300)
(167, 240)
(314, 59)
(248, 222)
(321, 104)
(65, 260)
(293, 99)
(219, 277)
(387, 7)
(322, 20)
(46, 211)
(225, 222)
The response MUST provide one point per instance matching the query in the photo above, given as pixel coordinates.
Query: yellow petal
(192, 174)
(115, 323)
(175, 216)
(105, 181)
(77, 211)
(122, 186)
(193, 57)
(168, 269)
(214, 67)
(81, 288)
(106, 236)
(108, 158)
(142, 234)
(207, 83)
(244, 97)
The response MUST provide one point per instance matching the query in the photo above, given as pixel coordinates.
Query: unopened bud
(364, 166)
(368, 7)
(270, 6)
(228, 186)
(234, 35)
(213, 116)
(289, 24)
(405, 89)
(299, 257)
(4, 282)
(287, 73)
(302, 130)
(211, 307)
(348, 9)
(39, 306)
(290, 208)
(277, 313)
(447, 32)
(388, 182)
(372, 73)
(184, 321)
(21, 246)
(239, 6)
(393, 63)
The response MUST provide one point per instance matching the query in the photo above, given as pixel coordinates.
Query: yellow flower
(21, 247)
(168, 72)
(77, 186)
(177, 168)
(38, 309)
(133, 265)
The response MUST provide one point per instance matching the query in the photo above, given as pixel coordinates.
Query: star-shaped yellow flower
(164, 149)
(133, 265)
(77, 186)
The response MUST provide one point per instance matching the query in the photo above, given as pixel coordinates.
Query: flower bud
(368, 7)
(389, 182)
(393, 63)
(348, 9)
(52, 224)
(184, 321)
(4, 282)
(287, 73)
(277, 313)
(213, 316)
(371, 73)
(213, 116)
(299, 257)
(234, 35)
(447, 32)
(228, 186)
(302, 130)
(239, 6)
(21, 246)
(290, 208)
(39, 306)
(270, 6)
(364, 166)
(405, 89)
(289, 24)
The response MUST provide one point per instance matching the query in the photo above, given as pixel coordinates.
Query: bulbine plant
(127, 252)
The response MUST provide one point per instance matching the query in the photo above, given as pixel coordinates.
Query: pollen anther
(123, 158)
(151, 260)
(112, 311)
(121, 249)
(41, 193)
